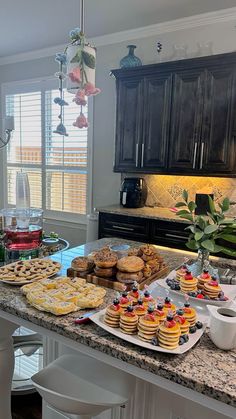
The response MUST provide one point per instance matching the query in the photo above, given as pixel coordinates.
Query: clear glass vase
(202, 263)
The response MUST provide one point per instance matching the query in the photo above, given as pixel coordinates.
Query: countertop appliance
(133, 193)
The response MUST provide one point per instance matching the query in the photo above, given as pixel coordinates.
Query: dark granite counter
(204, 369)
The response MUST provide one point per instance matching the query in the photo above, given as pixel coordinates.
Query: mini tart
(147, 327)
(82, 264)
(188, 283)
(203, 279)
(112, 315)
(183, 323)
(212, 289)
(190, 315)
(180, 273)
(129, 322)
(130, 264)
(105, 258)
(168, 334)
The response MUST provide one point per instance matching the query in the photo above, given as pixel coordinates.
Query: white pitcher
(223, 326)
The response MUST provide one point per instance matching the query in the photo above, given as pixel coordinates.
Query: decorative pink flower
(79, 98)
(91, 90)
(81, 121)
(75, 75)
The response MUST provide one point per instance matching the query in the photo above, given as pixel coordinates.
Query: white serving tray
(229, 291)
(98, 318)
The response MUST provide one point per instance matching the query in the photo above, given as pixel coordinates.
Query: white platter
(229, 291)
(98, 318)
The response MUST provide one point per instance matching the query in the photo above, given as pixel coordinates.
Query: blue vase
(130, 60)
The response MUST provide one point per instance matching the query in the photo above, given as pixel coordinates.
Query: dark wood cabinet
(177, 117)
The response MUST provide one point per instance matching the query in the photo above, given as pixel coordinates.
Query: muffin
(105, 258)
(82, 264)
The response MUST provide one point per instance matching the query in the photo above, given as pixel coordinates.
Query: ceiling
(27, 25)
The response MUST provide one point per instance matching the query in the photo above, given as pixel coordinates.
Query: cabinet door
(128, 124)
(217, 149)
(126, 227)
(186, 117)
(157, 96)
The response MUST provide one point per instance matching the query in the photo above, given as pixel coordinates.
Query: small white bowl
(120, 249)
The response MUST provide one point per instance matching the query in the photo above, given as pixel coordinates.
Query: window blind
(57, 166)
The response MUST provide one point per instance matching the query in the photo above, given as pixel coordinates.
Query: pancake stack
(188, 283)
(160, 313)
(169, 333)
(140, 309)
(147, 326)
(203, 279)
(125, 300)
(112, 315)
(212, 289)
(168, 305)
(183, 322)
(134, 294)
(147, 298)
(129, 321)
(180, 273)
(189, 314)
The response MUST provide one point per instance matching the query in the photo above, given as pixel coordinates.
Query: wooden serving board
(113, 283)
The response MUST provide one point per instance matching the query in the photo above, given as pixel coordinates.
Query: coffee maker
(133, 193)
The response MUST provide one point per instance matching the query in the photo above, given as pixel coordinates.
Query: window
(57, 166)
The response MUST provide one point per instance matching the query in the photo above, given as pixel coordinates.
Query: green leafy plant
(213, 232)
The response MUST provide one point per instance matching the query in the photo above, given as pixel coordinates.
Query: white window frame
(49, 83)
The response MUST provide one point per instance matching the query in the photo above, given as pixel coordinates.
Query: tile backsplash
(165, 191)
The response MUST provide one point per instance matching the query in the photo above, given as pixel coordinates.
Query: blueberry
(181, 340)
(177, 287)
(192, 329)
(154, 341)
(180, 312)
(221, 294)
(167, 300)
(199, 325)
(130, 309)
(185, 337)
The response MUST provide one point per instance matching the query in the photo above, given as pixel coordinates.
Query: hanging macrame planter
(80, 60)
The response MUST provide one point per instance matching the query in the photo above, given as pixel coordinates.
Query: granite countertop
(205, 368)
(156, 213)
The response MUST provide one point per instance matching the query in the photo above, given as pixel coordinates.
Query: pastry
(134, 294)
(169, 333)
(188, 283)
(147, 271)
(154, 265)
(181, 272)
(159, 313)
(125, 301)
(82, 264)
(183, 322)
(130, 264)
(129, 321)
(189, 313)
(33, 286)
(139, 308)
(105, 272)
(212, 288)
(203, 279)
(57, 307)
(105, 258)
(113, 312)
(135, 251)
(148, 252)
(128, 277)
(147, 298)
(169, 306)
(147, 326)
(29, 270)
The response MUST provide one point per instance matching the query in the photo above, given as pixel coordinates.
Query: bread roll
(130, 264)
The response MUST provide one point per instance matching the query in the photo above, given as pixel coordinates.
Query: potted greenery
(211, 233)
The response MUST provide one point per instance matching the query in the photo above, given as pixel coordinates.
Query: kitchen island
(205, 376)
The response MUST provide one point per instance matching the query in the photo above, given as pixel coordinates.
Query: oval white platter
(229, 291)
(98, 318)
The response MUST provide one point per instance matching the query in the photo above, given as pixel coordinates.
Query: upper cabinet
(177, 117)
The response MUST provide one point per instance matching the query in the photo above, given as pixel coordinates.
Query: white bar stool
(82, 386)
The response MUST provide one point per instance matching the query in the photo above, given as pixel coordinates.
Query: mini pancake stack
(188, 283)
(183, 322)
(112, 315)
(212, 289)
(180, 273)
(129, 321)
(140, 309)
(147, 298)
(203, 279)
(189, 314)
(169, 306)
(105, 263)
(129, 269)
(125, 300)
(169, 333)
(160, 313)
(134, 294)
(147, 326)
